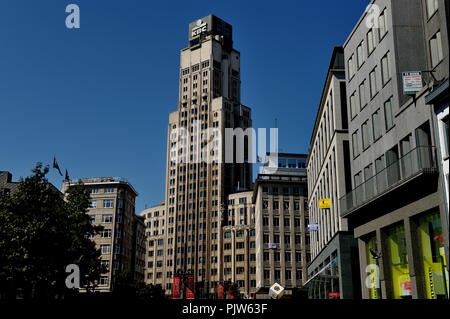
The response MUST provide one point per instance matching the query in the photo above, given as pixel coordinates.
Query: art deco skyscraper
(196, 187)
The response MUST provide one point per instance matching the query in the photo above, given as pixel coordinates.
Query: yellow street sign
(324, 203)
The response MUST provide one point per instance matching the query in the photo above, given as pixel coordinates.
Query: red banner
(334, 294)
(230, 292)
(190, 286)
(176, 291)
(220, 291)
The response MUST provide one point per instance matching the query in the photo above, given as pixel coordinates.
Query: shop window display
(401, 280)
(433, 256)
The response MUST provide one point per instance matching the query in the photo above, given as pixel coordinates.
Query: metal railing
(419, 159)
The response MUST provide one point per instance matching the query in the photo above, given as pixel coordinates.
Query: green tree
(41, 233)
(127, 287)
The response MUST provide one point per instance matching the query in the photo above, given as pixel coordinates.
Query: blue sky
(98, 97)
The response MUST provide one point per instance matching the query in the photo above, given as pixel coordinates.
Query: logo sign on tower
(200, 28)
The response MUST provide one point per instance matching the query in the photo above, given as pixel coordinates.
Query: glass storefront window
(433, 255)
(399, 263)
(372, 260)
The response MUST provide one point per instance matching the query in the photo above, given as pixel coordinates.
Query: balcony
(419, 162)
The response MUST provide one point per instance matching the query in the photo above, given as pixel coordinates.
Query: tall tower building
(198, 180)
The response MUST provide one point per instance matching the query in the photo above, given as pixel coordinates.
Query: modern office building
(156, 253)
(334, 269)
(396, 206)
(198, 180)
(281, 219)
(239, 245)
(121, 241)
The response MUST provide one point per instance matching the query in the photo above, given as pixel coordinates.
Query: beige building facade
(239, 243)
(112, 206)
(198, 179)
(156, 252)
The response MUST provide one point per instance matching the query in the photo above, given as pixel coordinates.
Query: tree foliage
(41, 233)
(128, 288)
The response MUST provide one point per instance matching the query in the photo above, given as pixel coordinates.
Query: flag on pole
(55, 165)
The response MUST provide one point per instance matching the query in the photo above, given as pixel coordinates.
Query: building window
(365, 135)
(351, 67)
(376, 124)
(373, 83)
(105, 249)
(109, 190)
(433, 257)
(362, 94)
(275, 204)
(432, 6)
(105, 264)
(370, 41)
(360, 54)
(436, 49)
(108, 203)
(355, 144)
(388, 115)
(92, 203)
(386, 68)
(94, 190)
(106, 233)
(382, 29)
(107, 218)
(353, 107)
(103, 281)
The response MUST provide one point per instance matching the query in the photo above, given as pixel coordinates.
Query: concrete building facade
(396, 205)
(333, 248)
(281, 219)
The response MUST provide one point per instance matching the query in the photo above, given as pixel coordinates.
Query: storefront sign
(313, 227)
(324, 203)
(190, 287)
(272, 246)
(176, 292)
(412, 82)
(334, 294)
